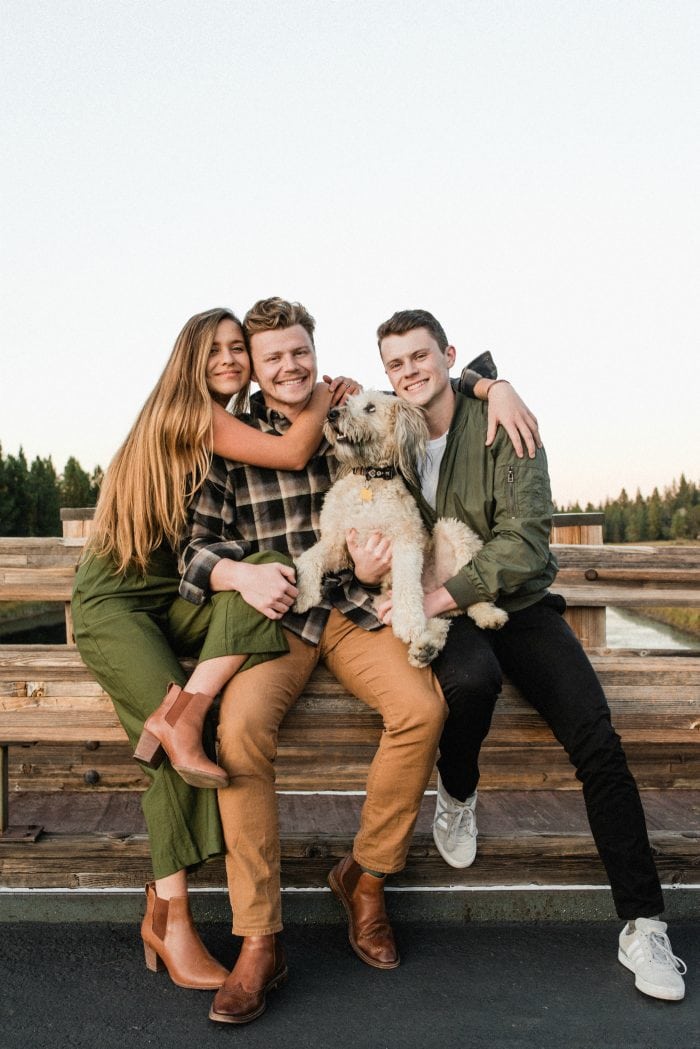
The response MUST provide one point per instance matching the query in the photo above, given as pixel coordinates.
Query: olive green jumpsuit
(131, 630)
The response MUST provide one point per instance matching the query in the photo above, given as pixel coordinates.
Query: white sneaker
(646, 950)
(454, 828)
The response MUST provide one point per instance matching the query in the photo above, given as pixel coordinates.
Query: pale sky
(529, 172)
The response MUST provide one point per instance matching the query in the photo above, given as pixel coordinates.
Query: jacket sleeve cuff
(197, 568)
(194, 585)
(462, 591)
(482, 367)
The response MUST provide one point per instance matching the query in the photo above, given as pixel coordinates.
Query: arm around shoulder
(233, 439)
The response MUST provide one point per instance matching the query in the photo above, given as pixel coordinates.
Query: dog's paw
(425, 648)
(422, 653)
(487, 616)
(306, 599)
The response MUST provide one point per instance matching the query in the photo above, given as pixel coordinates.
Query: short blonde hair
(268, 314)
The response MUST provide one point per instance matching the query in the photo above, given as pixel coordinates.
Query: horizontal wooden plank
(33, 569)
(110, 860)
(666, 578)
(43, 551)
(45, 584)
(326, 766)
(40, 551)
(500, 812)
(652, 698)
(611, 555)
(620, 595)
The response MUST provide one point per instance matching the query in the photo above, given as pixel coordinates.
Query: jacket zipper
(510, 491)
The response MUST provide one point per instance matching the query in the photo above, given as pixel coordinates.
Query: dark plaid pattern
(241, 509)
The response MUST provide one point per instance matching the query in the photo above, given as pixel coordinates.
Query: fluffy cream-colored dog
(378, 438)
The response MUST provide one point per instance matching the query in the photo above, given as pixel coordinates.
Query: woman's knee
(266, 557)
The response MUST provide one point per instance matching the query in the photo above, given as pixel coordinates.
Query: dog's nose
(333, 414)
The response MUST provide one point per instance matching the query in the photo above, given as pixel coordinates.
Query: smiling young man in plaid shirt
(239, 511)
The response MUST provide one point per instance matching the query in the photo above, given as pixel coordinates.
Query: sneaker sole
(651, 989)
(448, 857)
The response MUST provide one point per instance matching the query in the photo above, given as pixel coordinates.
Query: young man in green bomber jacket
(507, 501)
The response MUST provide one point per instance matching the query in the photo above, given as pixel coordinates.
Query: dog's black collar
(370, 472)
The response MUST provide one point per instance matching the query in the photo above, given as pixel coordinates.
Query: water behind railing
(626, 629)
(45, 628)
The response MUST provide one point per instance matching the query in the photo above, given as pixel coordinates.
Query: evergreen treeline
(675, 514)
(31, 496)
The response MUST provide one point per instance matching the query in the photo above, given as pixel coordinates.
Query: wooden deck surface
(500, 812)
(525, 837)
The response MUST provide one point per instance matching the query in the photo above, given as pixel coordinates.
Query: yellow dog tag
(366, 495)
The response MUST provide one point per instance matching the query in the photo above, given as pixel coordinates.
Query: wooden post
(77, 526)
(26, 833)
(586, 530)
(4, 789)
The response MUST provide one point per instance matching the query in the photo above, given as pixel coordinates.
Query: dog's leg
(424, 637)
(454, 545)
(431, 642)
(408, 617)
(311, 566)
(487, 616)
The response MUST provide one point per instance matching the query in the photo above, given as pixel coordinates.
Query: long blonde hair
(164, 459)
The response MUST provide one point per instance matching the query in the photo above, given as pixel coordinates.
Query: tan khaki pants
(374, 666)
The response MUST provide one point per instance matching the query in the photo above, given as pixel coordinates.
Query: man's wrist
(439, 601)
(483, 388)
(371, 588)
(225, 575)
(495, 382)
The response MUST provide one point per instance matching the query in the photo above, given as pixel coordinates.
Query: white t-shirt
(429, 468)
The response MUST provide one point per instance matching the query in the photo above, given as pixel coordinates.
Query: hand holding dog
(372, 560)
(384, 607)
(434, 604)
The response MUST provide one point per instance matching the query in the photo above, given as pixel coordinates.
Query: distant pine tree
(14, 495)
(76, 486)
(673, 515)
(44, 495)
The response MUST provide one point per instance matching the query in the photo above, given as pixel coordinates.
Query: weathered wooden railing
(64, 759)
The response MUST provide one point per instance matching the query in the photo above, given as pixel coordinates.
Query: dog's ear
(410, 439)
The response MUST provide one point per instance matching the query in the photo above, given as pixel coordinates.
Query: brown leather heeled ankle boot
(261, 967)
(175, 728)
(170, 940)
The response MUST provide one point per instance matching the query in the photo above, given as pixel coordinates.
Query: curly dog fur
(376, 430)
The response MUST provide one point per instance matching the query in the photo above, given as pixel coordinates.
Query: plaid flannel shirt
(241, 509)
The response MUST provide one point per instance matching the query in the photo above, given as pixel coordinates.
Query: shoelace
(662, 952)
(454, 818)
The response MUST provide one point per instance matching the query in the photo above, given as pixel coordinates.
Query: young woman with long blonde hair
(131, 627)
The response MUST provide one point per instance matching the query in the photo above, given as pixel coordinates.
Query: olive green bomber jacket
(506, 501)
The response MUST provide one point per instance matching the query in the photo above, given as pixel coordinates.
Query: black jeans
(542, 656)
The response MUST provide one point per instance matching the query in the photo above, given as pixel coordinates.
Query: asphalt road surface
(540, 986)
